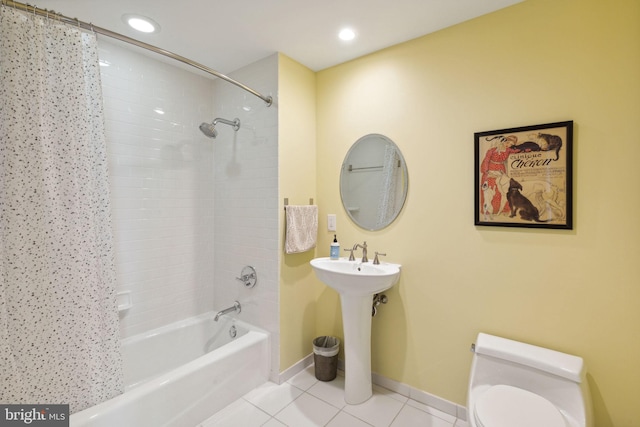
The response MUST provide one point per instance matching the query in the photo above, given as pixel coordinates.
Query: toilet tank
(543, 359)
(556, 376)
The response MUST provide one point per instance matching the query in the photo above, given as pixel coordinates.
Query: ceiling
(228, 34)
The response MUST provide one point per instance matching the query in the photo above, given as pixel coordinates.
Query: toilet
(513, 384)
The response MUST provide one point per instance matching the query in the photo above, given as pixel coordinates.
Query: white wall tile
(246, 199)
(174, 190)
(161, 186)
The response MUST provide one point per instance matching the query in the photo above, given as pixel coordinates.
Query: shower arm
(234, 123)
(50, 14)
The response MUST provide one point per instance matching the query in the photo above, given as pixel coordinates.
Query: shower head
(209, 129)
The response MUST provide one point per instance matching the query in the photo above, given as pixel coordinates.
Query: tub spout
(236, 307)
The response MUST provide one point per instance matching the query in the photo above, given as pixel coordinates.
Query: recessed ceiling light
(347, 34)
(141, 23)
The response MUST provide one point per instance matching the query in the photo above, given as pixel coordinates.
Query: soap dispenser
(334, 253)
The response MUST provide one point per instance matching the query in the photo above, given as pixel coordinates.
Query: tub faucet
(236, 307)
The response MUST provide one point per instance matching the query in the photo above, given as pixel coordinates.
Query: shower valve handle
(248, 276)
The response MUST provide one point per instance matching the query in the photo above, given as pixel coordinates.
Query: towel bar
(286, 201)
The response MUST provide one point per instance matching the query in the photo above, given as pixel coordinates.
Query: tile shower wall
(162, 175)
(246, 199)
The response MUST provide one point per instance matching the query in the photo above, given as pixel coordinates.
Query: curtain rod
(88, 26)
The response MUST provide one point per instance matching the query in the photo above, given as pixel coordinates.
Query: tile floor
(304, 401)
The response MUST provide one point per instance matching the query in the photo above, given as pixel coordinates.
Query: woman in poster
(495, 181)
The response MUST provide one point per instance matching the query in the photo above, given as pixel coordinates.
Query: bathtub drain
(233, 331)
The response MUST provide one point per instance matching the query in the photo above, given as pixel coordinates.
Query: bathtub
(181, 374)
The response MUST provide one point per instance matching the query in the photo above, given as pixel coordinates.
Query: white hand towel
(302, 228)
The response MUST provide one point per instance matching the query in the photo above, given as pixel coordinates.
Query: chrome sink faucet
(236, 307)
(364, 250)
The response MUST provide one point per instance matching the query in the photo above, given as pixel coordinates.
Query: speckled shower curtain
(59, 337)
(387, 198)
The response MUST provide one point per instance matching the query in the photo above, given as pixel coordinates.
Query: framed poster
(523, 176)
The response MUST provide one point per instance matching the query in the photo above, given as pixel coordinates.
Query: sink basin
(356, 282)
(355, 277)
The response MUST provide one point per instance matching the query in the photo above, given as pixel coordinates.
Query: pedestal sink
(356, 282)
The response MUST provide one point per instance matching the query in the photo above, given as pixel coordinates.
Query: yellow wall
(296, 103)
(575, 291)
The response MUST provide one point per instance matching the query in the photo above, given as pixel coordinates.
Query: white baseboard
(296, 368)
(421, 396)
(406, 390)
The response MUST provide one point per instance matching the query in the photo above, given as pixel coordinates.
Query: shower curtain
(59, 337)
(387, 198)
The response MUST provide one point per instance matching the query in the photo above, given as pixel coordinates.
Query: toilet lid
(507, 406)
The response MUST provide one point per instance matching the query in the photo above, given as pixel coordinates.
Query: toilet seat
(508, 406)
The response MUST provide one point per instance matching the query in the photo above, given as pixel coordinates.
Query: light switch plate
(331, 222)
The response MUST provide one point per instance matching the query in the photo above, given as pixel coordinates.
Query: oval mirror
(373, 182)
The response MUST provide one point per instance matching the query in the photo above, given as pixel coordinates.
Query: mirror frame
(348, 160)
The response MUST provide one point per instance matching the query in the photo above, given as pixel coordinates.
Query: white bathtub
(181, 374)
